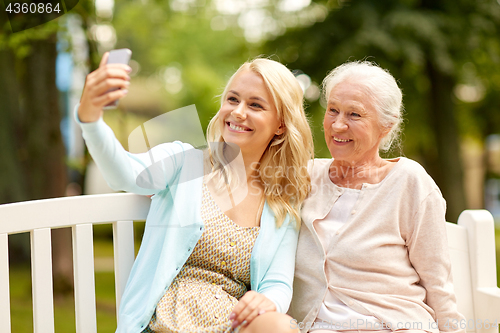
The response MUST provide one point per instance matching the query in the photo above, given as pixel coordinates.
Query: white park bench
(471, 243)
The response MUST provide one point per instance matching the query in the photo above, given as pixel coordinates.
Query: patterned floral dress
(215, 276)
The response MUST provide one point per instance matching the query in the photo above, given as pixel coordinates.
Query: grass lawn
(64, 307)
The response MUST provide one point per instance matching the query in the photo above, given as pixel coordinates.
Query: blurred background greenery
(445, 55)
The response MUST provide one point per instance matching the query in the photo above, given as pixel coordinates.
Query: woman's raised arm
(146, 173)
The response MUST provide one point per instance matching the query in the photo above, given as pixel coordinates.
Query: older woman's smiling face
(352, 129)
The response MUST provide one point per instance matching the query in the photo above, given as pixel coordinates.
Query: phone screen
(120, 56)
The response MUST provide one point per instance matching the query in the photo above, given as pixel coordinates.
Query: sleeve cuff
(94, 132)
(87, 127)
(275, 298)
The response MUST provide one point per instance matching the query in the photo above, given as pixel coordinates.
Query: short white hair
(381, 86)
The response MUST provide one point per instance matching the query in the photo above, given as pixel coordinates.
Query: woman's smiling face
(352, 129)
(249, 116)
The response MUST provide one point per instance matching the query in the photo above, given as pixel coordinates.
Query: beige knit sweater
(390, 260)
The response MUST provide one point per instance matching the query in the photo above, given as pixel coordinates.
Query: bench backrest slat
(123, 248)
(41, 275)
(460, 269)
(83, 263)
(4, 284)
(486, 294)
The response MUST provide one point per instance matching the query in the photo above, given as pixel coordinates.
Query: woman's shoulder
(317, 162)
(411, 167)
(174, 149)
(175, 145)
(318, 165)
(413, 174)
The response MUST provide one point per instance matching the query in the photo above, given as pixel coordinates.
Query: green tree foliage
(426, 45)
(162, 37)
(206, 42)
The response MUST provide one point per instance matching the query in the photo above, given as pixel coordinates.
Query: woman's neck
(354, 174)
(251, 162)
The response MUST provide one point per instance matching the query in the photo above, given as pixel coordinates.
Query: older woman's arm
(428, 252)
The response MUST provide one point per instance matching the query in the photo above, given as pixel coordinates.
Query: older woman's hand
(249, 307)
(96, 93)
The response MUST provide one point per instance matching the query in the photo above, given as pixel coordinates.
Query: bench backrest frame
(471, 244)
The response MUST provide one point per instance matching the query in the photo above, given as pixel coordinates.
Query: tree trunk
(32, 156)
(12, 185)
(45, 167)
(11, 180)
(447, 166)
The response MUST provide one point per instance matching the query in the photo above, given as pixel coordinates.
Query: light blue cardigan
(172, 230)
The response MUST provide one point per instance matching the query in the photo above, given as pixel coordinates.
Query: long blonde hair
(288, 183)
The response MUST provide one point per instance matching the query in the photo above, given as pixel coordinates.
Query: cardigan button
(353, 212)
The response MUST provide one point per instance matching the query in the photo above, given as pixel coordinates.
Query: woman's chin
(340, 154)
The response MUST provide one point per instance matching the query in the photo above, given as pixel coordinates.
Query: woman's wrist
(88, 116)
(86, 119)
(85, 122)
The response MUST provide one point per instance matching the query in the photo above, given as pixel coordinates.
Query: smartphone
(120, 56)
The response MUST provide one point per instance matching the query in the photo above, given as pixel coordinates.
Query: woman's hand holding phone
(103, 86)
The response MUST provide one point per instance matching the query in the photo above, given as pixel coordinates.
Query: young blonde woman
(214, 257)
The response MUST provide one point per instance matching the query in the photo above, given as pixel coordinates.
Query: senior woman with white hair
(372, 252)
